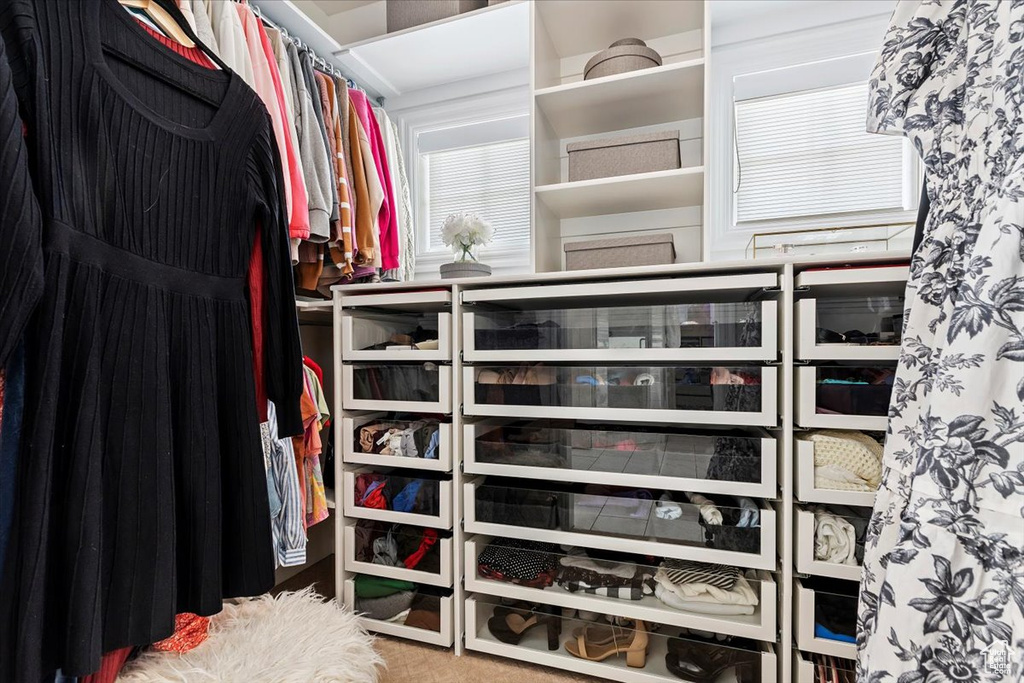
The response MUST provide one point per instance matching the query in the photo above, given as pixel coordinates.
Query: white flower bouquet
(464, 231)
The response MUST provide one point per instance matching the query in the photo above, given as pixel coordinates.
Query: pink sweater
(387, 220)
(268, 86)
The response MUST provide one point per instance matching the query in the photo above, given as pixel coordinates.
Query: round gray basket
(459, 269)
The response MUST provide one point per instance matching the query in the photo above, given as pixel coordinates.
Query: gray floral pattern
(942, 596)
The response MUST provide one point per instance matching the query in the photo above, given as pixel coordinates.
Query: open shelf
(623, 194)
(671, 92)
(480, 43)
(574, 30)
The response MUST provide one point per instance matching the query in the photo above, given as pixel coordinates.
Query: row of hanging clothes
(346, 187)
(175, 245)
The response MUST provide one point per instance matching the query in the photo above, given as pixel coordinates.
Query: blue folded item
(587, 379)
(431, 453)
(405, 501)
(822, 632)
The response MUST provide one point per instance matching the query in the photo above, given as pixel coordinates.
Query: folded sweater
(741, 593)
(700, 607)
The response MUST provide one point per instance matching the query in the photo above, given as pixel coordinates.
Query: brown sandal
(591, 644)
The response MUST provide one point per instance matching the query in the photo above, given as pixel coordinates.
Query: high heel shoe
(512, 626)
(598, 644)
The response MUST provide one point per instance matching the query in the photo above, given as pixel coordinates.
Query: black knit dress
(131, 189)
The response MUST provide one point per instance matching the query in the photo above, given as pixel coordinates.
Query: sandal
(591, 644)
(699, 663)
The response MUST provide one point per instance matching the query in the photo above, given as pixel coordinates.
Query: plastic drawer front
(627, 524)
(363, 565)
(641, 332)
(816, 340)
(823, 401)
(759, 662)
(736, 462)
(804, 542)
(427, 487)
(443, 638)
(352, 453)
(744, 395)
(806, 612)
(414, 388)
(761, 625)
(806, 489)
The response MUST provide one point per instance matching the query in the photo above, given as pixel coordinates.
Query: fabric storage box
(403, 14)
(624, 155)
(622, 56)
(638, 250)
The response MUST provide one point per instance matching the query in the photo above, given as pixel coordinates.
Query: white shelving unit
(784, 617)
(365, 319)
(567, 108)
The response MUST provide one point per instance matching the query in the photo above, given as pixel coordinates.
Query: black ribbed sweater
(128, 210)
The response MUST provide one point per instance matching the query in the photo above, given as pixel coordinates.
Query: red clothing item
(110, 667)
(311, 364)
(255, 276)
(388, 218)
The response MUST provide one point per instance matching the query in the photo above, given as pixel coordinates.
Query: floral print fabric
(942, 597)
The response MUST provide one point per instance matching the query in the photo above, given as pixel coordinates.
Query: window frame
(725, 237)
(506, 103)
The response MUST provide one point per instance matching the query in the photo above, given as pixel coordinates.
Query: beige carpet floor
(410, 662)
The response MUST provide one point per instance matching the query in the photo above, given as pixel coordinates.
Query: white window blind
(807, 154)
(492, 181)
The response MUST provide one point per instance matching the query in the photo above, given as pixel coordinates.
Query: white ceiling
(332, 7)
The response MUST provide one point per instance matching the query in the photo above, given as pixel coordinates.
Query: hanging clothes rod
(318, 61)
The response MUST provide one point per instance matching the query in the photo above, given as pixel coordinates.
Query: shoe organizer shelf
(361, 564)
(443, 604)
(353, 451)
(411, 326)
(710, 395)
(807, 489)
(724, 461)
(742, 660)
(853, 314)
(572, 516)
(815, 599)
(826, 397)
(759, 625)
(672, 321)
(398, 483)
(804, 547)
(400, 387)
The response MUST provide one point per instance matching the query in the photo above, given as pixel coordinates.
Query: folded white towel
(835, 539)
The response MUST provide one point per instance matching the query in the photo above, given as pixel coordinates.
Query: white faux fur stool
(293, 638)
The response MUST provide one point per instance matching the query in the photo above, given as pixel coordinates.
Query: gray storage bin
(403, 14)
(629, 54)
(637, 250)
(625, 155)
